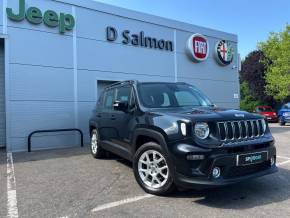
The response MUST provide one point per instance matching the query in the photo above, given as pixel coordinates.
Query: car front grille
(240, 130)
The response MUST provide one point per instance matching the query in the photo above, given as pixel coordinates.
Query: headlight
(183, 129)
(201, 130)
(264, 125)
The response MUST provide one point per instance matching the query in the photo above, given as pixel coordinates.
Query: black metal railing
(54, 130)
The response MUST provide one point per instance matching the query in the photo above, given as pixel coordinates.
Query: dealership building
(56, 56)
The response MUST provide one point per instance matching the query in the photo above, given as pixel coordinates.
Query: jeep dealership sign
(64, 22)
(197, 47)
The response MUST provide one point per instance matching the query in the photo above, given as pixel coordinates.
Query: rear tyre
(96, 150)
(281, 122)
(152, 171)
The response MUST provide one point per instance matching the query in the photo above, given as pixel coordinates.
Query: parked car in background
(284, 114)
(268, 112)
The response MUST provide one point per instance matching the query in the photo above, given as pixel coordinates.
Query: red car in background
(268, 112)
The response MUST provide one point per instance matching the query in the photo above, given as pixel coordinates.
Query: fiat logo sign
(197, 47)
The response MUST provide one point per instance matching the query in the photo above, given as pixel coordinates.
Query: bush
(248, 102)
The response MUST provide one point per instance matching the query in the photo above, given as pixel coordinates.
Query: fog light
(195, 157)
(216, 172)
(272, 161)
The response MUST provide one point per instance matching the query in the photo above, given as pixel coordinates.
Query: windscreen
(265, 109)
(166, 95)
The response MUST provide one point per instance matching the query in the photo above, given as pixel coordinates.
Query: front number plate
(253, 158)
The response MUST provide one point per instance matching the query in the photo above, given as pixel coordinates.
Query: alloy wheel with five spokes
(153, 169)
(96, 150)
(94, 142)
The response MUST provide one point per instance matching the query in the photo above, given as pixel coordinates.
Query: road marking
(118, 203)
(12, 210)
(283, 163)
(283, 157)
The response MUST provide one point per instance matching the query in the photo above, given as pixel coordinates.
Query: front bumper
(271, 118)
(198, 173)
(187, 182)
(286, 119)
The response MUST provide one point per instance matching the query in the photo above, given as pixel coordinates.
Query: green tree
(277, 59)
(253, 72)
(248, 102)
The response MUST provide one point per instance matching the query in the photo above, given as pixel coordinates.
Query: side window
(166, 102)
(123, 93)
(100, 102)
(133, 102)
(109, 97)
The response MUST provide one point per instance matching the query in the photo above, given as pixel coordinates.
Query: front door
(121, 120)
(104, 115)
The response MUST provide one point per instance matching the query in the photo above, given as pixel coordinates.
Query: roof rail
(181, 83)
(121, 83)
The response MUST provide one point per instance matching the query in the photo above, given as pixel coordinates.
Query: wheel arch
(144, 135)
(92, 125)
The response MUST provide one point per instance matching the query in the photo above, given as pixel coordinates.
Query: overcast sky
(251, 20)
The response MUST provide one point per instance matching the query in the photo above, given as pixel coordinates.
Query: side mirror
(121, 106)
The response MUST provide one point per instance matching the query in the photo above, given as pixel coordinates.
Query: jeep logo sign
(64, 22)
(197, 47)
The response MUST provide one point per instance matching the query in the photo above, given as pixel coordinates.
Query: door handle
(113, 117)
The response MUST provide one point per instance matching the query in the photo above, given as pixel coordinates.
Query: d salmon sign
(197, 47)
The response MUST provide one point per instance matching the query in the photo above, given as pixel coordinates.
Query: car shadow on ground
(248, 194)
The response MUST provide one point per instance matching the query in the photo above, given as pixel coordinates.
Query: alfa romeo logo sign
(224, 52)
(197, 47)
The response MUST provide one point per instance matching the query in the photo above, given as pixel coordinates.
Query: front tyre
(151, 169)
(96, 150)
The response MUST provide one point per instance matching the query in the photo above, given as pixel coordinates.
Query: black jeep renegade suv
(175, 136)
